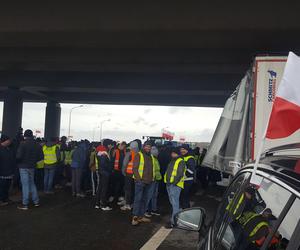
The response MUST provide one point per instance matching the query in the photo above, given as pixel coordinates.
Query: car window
(229, 198)
(251, 215)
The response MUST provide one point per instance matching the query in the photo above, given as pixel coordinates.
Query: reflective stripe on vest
(229, 208)
(96, 162)
(129, 168)
(117, 160)
(257, 227)
(186, 158)
(50, 155)
(174, 174)
(142, 165)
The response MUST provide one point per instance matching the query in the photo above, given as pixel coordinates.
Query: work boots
(144, 219)
(135, 221)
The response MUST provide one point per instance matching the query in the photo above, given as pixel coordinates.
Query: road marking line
(157, 239)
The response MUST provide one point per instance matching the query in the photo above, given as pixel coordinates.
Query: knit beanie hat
(28, 133)
(185, 146)
(175, 150)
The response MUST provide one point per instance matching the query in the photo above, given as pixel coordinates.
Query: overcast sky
(126, 122)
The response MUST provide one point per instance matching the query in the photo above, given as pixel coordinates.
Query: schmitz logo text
(272, 85)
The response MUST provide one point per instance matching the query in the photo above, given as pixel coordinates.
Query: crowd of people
(130, 174)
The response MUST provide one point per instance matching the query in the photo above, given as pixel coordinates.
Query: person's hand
(6, 143)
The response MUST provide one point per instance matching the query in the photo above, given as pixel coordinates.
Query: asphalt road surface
(63, 222)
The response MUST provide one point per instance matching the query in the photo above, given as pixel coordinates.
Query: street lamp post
(70, 119)
(94, 131)
(101, 126)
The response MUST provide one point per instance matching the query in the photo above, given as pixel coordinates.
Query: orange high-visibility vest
(117, 159)
(129, 169)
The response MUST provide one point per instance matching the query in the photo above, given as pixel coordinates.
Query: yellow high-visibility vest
(249, 216)
(174, 173)
(158, 176)
(40, 164)
(50, 155)
(68, 157)
(142, 165)
(186, 158)
(96, 162)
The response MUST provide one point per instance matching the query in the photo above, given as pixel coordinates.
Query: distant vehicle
(245, 116)
(276, 203)
(157, 140)
(160, 141)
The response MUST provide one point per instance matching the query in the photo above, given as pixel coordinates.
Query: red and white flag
(285, 115)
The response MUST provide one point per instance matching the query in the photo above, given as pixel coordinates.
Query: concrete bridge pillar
(52, 120)
(12, 112)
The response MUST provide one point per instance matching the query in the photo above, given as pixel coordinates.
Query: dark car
(254, 217)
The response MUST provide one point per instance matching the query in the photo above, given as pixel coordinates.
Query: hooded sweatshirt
(79, 156)
(133, 147)
(105, 166)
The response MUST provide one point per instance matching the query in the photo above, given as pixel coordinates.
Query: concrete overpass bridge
(166, 53)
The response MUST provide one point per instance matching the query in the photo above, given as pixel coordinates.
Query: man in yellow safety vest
(255, 227)
(51, 159)
(174, 179)
(190, 175)
(152, 203)
(143, 173)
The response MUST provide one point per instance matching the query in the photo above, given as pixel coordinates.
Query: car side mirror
(190, 219)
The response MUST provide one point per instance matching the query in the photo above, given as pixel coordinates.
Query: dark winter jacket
(190, 168)
(104, 162)
(79, 156)
(7, 161)
(29, 153)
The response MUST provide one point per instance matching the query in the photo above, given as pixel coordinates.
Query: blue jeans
(49, 174)
(174, 194)
(141, 198)
(28, 186)
(152, 204)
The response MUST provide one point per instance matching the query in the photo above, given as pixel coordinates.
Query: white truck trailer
(245, 117)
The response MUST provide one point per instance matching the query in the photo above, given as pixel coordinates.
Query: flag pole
(255, 179)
